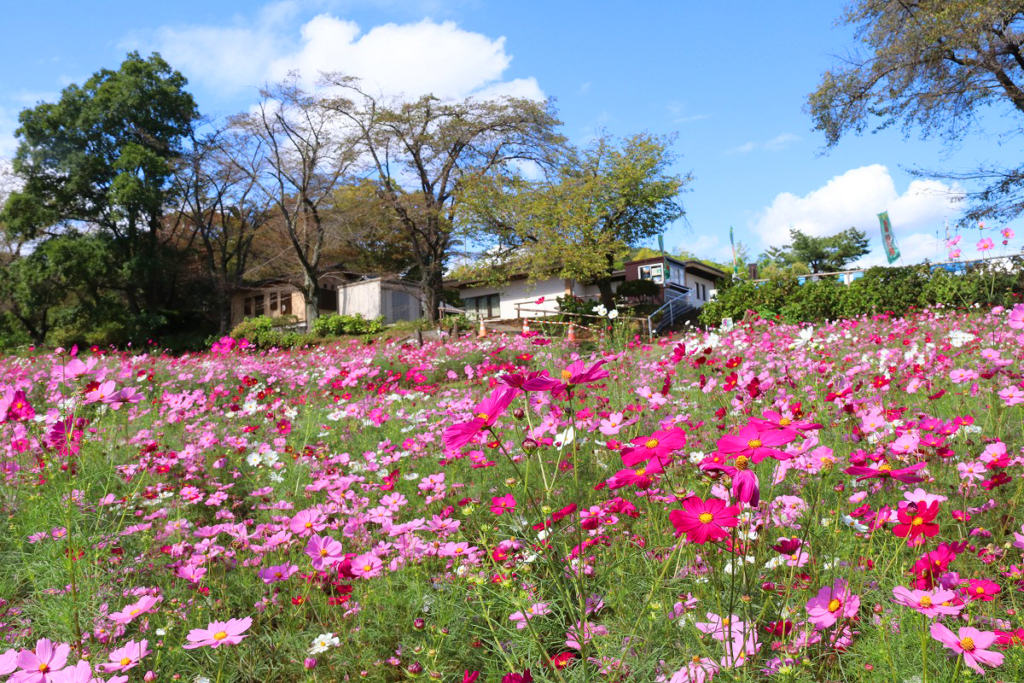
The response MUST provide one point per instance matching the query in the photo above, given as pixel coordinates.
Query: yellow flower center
(651, 443)
(566, 374)
(640, 472)
(705, 517)
(785, 422)
(834, 604)
(220, 635)
(754, 443)
(742, 462)
(125, 661)
(482, 416)
(967, 644)
(917, 521)
(925, 601)
(885, 467)
(309, 525)
(323, 552)
(980, 590)
(133, 612)
(367, 567)
(695, 659)
(43, 668)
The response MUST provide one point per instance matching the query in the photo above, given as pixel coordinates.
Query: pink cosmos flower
(40, 665)
(145, 604)
(704, 520)
(126, 657)
(831, 604)
(485, 414)
(658, 445)
(885, 471)
(757, 445)
(307, 522)
(501, 505)
(367, 565)
(930, 604)
(971, 643)
(279, 572)
(324, 551)
(8, 662)
(1007, 233)
(219, 633)
(745, 485)
(1016, 317)
(1012, 395)
(573, 375)
(984, 244)
(82, 672)
(537, 609)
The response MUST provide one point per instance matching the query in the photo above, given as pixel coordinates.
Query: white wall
(692, 281)
(400, 302)
(360, 297)
(522, 292)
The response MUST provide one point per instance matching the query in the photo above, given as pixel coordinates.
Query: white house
(521, 298)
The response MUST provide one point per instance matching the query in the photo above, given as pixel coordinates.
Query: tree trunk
(604, 286)
(433, 289)
(311, 294)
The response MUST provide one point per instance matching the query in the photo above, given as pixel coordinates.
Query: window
(487, 306)
(273, 302)
(248, 306)
(654, 273)
(286, 303)
(328, 297)
(258, 310)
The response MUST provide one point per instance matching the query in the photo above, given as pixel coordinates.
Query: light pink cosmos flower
(367, 565)
(1012, 395)
(219, 633)
(126, 657)
(928, 603)
(307, 522)
(8, 662)
(1016, 317)
(984, 244)
(697, 670)
(537, 609)
(831, 604)
(101, 393)
(145, 604)
(82, 672)
(971, 643)
(278, 572)
(721, 628)
(41, 665)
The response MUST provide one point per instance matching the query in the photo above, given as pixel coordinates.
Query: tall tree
(827, 254)
(307, 156)
(599, 203)
(422, 152)
(224, 207)
(102, 158)
(932, 65)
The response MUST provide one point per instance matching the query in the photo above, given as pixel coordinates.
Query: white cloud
(411, 59)
(8, 124)
(854, 199)
(776, 144)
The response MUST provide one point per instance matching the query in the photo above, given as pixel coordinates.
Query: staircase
(672, 311)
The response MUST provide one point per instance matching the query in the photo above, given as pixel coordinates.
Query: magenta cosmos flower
(757, 445)
(704, 520)
(971, 643)
(219, 633)
(485, 415)
(573, 375)
(324, 551)
(502, 504)
(831, 604)
(885, 471)
(658, 445)
(745, 485)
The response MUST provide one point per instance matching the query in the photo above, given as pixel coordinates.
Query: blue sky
(729, 78)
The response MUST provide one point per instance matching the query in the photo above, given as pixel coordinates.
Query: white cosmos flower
(323, 642)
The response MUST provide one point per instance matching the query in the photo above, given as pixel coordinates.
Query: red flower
(885, 471)
(573, 375)
(982, 589)
(704, 520)
(916, 522)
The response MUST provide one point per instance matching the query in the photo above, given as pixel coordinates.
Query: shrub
(335, 325)
(638, 289)
(264, 333)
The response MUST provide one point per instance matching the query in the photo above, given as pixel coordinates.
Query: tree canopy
(826, 254)
(932, 66)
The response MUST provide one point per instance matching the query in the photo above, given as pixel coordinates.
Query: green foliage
(880, 290)
(264, 332)
(821, 254)
(578, 306)
(640, 289)
(335, 325)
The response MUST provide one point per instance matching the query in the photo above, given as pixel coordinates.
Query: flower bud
(529, 445)
(309, 663)
(419, 624)
(519, 413)
(150, 676)
(415, 668)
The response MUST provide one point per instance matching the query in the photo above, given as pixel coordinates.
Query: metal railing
(669, 312)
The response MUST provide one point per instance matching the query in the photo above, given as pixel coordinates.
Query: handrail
(670, 305)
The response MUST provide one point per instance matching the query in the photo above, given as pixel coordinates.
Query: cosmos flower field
(775, 502)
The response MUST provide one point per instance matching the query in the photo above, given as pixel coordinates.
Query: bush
(638, 289)
(264, 333)
(334, 325)
(878, 290)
